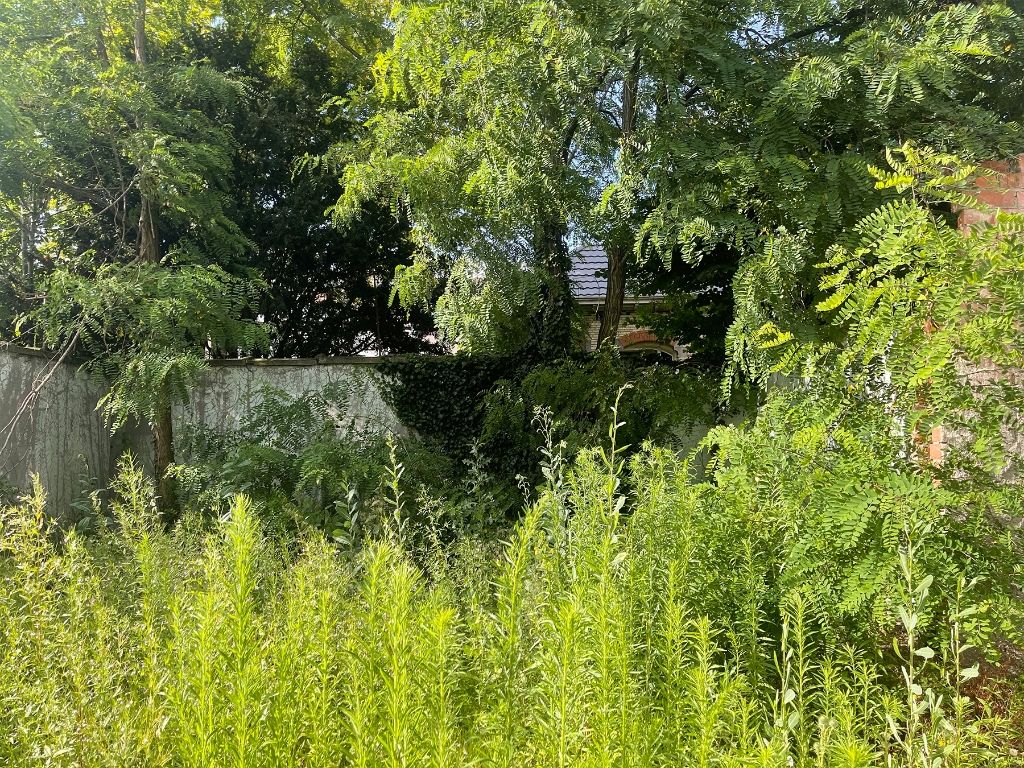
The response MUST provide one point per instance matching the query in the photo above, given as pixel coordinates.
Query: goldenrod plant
(612, 629)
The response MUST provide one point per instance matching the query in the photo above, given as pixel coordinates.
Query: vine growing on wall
(486, 405)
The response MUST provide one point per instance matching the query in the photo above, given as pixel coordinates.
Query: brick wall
(1003, 190)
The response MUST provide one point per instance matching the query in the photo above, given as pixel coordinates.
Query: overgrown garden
(802, 546)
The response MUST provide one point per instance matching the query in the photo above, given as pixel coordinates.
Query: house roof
(583, 275)
(588, 276)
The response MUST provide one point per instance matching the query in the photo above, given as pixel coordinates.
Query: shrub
(483, 407)
(304, 462)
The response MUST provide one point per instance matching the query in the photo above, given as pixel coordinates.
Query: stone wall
(65, 440)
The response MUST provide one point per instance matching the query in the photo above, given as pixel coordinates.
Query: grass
(585, 640)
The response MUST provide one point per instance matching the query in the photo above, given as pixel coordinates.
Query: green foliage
(437, 396)
(137, 137)
(485, 310)
(328, 291)
(116, 171)
(145, 326)
(99, 132)
(509, 132)
(919, 316)
(664, 404)
(305, 462)
(661, 637)
(832, 495)
(484, 408)
(908, 333)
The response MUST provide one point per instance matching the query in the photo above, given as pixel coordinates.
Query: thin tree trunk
(615, 292)
(162, 427)
(148, 245)
(149, 248)
(149, 252)
(140, 33)
(618, 246)
(101, 48)
(163, 457)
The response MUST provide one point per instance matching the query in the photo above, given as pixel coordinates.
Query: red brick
(636, 337)
(998, 198)
(969, 218)
(937, 445)
(1002, 166)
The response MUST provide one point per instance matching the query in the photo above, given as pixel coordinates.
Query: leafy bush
(907, 342)
(484, 408)
(284, 446)
(665, 404)
(304, 461)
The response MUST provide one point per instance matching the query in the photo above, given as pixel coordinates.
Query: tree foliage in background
(494, 413)
(328, 290)
(148, 178)
(117, 162)
(670, 132)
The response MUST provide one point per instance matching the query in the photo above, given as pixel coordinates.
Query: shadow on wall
(61, 436)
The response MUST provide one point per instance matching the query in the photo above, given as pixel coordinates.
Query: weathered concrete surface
(62, 437)
(229, 389)
(65, 440)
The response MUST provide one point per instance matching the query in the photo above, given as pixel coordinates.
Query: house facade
(588, 277)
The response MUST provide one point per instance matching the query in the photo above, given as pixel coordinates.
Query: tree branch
(854, 14)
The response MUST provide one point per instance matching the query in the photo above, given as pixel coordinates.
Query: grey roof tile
(587, 274)
(583, 275)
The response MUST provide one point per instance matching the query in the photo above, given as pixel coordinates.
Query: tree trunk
(163, 430)
(28, 236)
(615, 292)
(618, 245)
(555, 332)
(140, 33)
(149, 249)
(163, 457)
(149, 252)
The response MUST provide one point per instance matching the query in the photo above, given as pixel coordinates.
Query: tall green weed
(652, 622)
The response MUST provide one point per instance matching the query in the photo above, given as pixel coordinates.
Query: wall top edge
(256, 362)
(17, 349)
(302, 362)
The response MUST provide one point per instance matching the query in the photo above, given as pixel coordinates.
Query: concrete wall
(62, 437)
(231, 388)
(65, 440)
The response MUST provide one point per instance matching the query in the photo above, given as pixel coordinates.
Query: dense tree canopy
(328, 290)
(511, 132)
(152, 211)
(168, 168)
